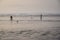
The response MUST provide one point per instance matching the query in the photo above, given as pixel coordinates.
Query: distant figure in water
(41, 17)
(17, 21)
(11, 18)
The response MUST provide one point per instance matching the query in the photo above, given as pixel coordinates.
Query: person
(17, 21)
(11, 18)
(41, 17)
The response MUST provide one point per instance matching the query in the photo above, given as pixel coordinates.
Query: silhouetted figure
(41, 17)
(11, 18)
(17, 21)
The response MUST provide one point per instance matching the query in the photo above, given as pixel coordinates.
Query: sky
(29, 6)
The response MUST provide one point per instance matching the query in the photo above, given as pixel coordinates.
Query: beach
(29, 30)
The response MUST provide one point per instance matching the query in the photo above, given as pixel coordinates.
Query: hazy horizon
(29, 6)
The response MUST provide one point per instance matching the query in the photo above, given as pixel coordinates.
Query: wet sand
(29, 30)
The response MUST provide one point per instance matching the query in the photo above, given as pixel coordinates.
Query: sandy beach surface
(29, 30)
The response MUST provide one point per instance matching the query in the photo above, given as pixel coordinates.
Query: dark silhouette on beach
(17, 21)
(41, 17)
(11, 18)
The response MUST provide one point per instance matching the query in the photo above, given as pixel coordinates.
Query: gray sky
(29, 6)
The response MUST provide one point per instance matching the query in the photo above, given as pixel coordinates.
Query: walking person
(11, 18)
(41, 17)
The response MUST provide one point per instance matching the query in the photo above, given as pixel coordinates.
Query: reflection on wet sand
(51, 34)
(32, 29)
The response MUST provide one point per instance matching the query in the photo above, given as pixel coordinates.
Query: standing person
(17, 21)
(41, 17)
(11, 18)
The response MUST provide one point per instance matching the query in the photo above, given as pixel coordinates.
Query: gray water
(29, 28)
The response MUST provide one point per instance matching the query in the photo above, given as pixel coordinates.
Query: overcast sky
(29, 6)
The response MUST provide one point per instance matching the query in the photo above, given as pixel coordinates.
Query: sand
(29, 30)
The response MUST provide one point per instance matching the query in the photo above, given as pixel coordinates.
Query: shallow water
(30, 30)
